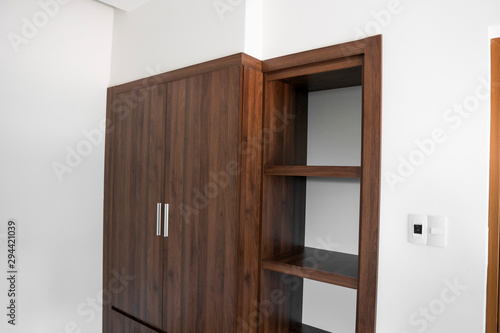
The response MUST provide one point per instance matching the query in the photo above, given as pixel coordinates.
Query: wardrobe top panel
(182, 73)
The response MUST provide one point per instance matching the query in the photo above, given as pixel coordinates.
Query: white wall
(332, 204)
(165, 35)
(435, 56)
(254, 15)
(53, 88)
(494, 31)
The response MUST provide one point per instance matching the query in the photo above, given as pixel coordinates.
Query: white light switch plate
(417, 229)
(438, 230)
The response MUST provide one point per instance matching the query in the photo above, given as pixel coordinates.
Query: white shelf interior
(332, 204)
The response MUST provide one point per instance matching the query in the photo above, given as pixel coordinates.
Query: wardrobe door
(201, 258)
(137, 172)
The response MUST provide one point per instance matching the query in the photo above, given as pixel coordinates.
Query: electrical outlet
(417, 229)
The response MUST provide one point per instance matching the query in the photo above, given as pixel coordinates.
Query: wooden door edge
(492, 299)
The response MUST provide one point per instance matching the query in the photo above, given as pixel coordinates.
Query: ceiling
(126, 5)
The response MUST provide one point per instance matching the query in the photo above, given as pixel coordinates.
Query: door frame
(492, 295)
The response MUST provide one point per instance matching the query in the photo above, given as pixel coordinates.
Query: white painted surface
(254, 15)
(329, 307)
(164, 35)
(126, 5)
(53, 89)
(332, 214)
(334, 127)
(494, 31)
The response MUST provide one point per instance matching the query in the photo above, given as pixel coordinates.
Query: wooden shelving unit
(316, 264)
(286, 261)
(313, 171)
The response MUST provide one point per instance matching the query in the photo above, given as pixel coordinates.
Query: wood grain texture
(370, 187)
(137, 163)
(492, 299)
(190, 71)
(281, 302)
(283, 213)
(344, 78)
(173, 248)
(339, 51)
(128, 323)
(249, 208)
(313, 171)
(201, 266)
(251, 63)
(285, 124)
(320, 265)
(332, 74)
(209, 280)
(315, 68)
(107, 322)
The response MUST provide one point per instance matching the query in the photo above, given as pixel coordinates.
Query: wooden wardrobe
(204, 206)
(185, 139)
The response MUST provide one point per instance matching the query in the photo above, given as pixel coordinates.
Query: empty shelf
(303, 328)
(313, 171)
(321, 265)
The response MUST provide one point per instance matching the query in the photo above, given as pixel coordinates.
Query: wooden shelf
(333, 74)
(343, 78)
(313, 171)
(321, 265)
(303, 328)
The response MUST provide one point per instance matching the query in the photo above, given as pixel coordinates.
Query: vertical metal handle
(165, 221)
(158, 219)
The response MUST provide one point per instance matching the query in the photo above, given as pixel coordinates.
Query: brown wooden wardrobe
(205, 194)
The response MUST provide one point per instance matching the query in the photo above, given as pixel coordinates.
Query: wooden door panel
(200, 269)
(492, 299)
(138, 158)
(123, 324)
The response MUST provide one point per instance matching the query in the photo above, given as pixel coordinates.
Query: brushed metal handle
(158, 219)
(165, 221)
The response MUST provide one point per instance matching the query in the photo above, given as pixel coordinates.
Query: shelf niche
(291, 84)
(317, 264)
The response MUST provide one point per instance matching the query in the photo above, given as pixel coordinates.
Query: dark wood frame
(344, 65)
(492, 299)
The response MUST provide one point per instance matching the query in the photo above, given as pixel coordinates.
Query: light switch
(438, 230)
(417, 229)
(435, 231)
